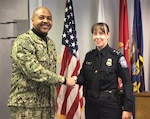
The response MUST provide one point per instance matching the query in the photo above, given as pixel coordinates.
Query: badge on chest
(109, 62)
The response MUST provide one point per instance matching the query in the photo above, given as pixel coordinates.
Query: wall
(10, 10)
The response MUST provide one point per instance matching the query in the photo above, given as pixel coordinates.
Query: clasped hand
(71, 81)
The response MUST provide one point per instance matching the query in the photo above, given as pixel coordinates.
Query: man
(34, 78)
(99, 76)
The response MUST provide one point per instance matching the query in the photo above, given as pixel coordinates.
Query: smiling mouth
(45, 26)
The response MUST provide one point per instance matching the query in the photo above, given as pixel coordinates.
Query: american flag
(70, 100)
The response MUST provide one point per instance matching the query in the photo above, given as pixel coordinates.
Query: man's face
(100, 38)
(42, 20)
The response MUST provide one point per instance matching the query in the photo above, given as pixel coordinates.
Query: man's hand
(71, 81)
(126, 115)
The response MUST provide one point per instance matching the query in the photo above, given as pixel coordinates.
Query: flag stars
(73, 44)
(67, 41)
(69, 33)
(70, 30)
(74, 51)
(70, 23)
(66, 25)
(66, 9)
(71, 37)
(70, 7)
(71, 14)
(68, 16)
(64, 35)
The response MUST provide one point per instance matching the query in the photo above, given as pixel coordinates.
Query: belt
(104, 93)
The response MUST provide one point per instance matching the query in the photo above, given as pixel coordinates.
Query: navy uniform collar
(104, 50)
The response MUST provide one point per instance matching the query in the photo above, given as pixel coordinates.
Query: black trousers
(103, 108)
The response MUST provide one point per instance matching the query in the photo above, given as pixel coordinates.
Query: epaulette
(114, 51)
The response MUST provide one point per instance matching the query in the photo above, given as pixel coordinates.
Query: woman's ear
(108, 34)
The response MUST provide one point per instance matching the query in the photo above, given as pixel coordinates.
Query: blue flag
(137, 60)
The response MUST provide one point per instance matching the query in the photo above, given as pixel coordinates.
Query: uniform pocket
(41, 55)
(107, 74)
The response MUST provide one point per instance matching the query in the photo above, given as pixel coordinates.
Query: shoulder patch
(123, 62)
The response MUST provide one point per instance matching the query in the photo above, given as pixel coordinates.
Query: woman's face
(100, 38)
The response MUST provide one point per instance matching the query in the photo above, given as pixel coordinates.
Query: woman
(99, 76)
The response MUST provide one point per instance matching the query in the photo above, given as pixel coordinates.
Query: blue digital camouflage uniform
(34, 77)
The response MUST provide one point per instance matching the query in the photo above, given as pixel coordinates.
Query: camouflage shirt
(34, 77)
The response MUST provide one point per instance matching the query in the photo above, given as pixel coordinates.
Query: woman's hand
(126, 115)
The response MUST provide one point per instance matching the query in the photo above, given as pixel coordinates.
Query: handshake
(71, 81)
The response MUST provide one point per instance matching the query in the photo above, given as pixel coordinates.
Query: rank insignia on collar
(109, 62)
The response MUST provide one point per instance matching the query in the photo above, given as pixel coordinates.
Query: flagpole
(64, 2)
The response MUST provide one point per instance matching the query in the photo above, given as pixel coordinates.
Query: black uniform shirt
(113, 65)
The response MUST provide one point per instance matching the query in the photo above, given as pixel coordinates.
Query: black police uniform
(100, 84)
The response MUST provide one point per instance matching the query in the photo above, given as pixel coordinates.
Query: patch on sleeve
(123, 62)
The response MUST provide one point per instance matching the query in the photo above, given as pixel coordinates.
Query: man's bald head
(42, 20)
(38, 9)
